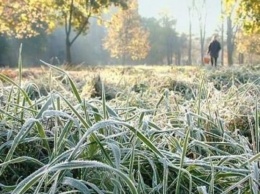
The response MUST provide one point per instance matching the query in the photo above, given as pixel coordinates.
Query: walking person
(213, 50)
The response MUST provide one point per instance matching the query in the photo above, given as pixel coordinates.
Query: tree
(200, 6)
(126, 38)
(25, 18)
(231, 35)
(24, 21)
(75, 15)
(248, 45)
(179, 46)
(4, 47)
(169, 34)
(164, 40)
(222, 33)
(156, 39)
(232, 28)
(249, 12)
(191, 13)
(28, 16)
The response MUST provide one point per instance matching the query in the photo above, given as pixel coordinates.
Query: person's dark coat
(214, 48)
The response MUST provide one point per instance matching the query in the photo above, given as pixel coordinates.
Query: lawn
(124, 129)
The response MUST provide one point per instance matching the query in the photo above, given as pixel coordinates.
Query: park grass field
(130, 129)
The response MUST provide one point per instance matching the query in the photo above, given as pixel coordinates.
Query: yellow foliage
(24, 18)
(249, 12)
(126, 37)
(249, 44)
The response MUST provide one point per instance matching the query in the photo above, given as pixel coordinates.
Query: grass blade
(79, 185)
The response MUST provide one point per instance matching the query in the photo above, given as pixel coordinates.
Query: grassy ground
(144, 129)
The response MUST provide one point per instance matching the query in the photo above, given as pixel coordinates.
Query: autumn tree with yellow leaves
(126, 38)
(74, 15)
(25, 18)
(249, 12)
(248, 47)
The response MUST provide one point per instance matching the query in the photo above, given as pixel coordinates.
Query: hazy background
(179, 10)
(88, 49)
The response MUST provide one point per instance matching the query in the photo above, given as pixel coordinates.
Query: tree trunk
(201, 52)
(190, 39)
(169, 53)
(202, 41)
(123, 59)
(230, 38)
(241, 58)
(169, 59)
(222, 36)
(202, 28)
(222, 45)
(68, 51)
(179, 58)
(68, 28)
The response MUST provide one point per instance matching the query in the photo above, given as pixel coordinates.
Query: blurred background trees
(101, 32)
(243, 31)
(126, 38)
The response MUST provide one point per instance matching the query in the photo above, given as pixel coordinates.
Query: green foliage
(165, 42)
(156, 54)
(4, 48)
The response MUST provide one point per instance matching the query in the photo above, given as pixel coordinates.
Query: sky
(179, 10)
